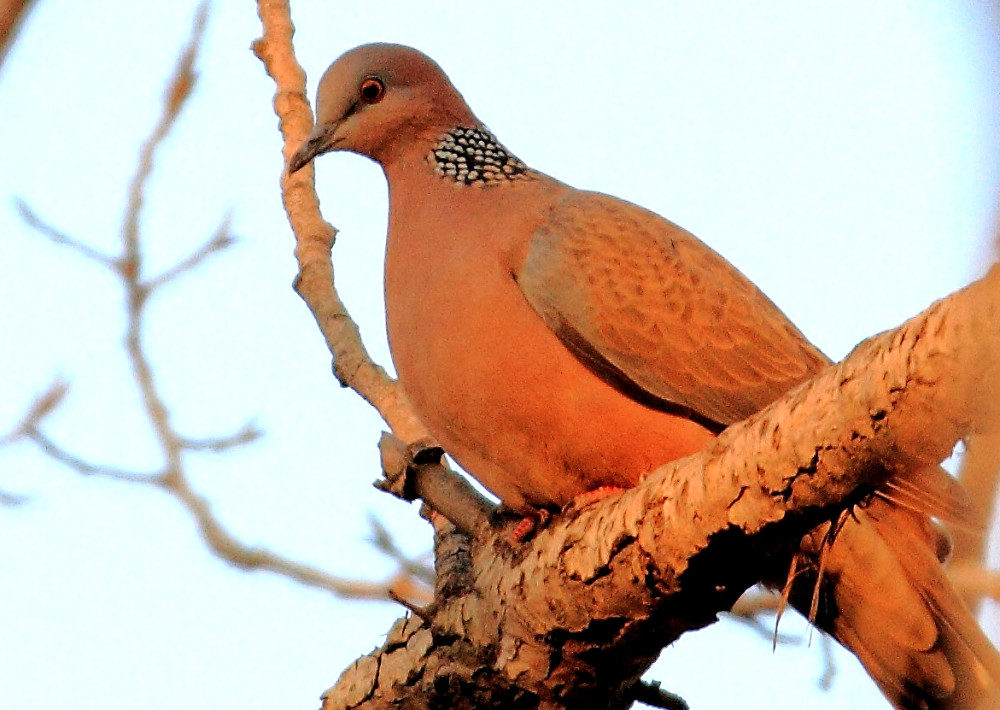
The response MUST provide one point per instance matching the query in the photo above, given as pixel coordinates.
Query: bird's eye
(372, 91)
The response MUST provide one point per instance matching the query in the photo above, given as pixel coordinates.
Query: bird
(556, 342)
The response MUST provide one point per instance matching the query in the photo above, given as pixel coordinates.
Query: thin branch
(314, 236)
(433, 482)
(42, 406)
(178, 91)
(219, 241)
(384, 542)
(244, 557)
(61, 238)
(12, 500)
(171, 476)
(218, 539)
(829, 667)
(246, 435)
(424, 611)
(651, 694)
(87, 468)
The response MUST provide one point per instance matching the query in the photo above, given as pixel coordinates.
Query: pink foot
(522, 531)
(530, 524)
(597, 494)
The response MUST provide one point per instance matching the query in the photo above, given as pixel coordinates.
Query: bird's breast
(484, 373)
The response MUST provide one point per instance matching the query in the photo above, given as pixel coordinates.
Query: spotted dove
(556, 341)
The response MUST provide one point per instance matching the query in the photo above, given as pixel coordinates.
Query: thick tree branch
(581, 612)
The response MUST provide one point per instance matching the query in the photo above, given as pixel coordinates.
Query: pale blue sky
(843, 155)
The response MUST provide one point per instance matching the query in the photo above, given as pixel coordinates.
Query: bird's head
(379, 98)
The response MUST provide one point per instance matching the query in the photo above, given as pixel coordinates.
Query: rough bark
(574, 617)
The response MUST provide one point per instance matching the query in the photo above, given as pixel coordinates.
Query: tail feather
(884, 596)
(973, 659)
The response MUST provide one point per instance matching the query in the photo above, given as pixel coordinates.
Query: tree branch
(314, 236)
(654, 696)
(580, 613)
(61, 238)
(88, 468)
(215, 244)
(247, 434)
(171, 475)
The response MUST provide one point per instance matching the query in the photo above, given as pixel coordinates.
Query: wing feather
(658, 314)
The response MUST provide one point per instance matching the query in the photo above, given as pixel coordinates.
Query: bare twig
(424, 611)
(178, 91)
(651, 694)
(829, 667)
(215, 244)
(171, 476)
(246, 435)
(12, 500)
(88, 468)
(314, 236)
(386, 544)
(43, 405)
(61, 238)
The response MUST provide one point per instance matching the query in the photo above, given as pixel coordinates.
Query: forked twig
(171, 475)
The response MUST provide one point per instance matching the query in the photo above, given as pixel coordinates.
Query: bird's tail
(883, 594)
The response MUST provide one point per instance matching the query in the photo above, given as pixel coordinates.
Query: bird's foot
(593, 496)
(523, 529)
(519, 525)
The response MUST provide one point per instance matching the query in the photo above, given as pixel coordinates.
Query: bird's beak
(321, 140)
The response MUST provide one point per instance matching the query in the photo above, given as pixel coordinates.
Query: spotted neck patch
(474, 155)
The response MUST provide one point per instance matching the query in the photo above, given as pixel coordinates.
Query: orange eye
(372, 91)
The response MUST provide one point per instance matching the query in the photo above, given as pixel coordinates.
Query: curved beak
(320, 141)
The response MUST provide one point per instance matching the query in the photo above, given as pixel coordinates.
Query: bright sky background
(844, 155)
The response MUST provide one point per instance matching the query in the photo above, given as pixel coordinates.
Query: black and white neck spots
(474, 155)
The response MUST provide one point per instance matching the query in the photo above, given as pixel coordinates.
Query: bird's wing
(658, 314)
